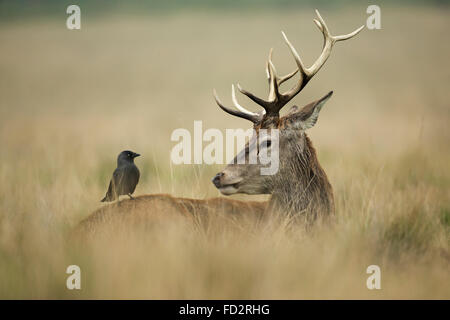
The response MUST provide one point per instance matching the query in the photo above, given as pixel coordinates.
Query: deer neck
(301, 185)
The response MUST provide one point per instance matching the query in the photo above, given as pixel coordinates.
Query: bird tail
(104, 199)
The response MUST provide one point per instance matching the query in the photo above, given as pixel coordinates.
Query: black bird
(125, 177)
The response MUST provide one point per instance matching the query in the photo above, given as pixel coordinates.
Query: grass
(71, 101)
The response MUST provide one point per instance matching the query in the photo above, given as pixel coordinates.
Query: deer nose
(216, 179)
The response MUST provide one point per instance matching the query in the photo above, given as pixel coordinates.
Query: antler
(307, 73)
(277, 100)
(241, 112)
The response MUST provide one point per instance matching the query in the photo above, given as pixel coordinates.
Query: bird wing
(117, 180)
(109, 193)
(133, 175)
(112, 192)
(129, 179)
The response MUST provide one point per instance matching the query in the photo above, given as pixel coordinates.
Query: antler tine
(241, 112)
(348, 36)
(267, 64)
(273, 79)
(254, 98)
(323, 27)
(329, 41)
(279, 80)
(287, 77)
(294, 53)
(271, 105)
(238, 106)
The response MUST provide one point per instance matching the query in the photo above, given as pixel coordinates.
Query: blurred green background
(22, 8)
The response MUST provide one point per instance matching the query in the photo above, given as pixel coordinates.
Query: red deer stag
(300, 184)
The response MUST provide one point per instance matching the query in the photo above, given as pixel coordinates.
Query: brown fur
(302, 185)
(151, 210)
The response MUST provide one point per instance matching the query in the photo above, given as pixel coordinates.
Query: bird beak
(136, 155)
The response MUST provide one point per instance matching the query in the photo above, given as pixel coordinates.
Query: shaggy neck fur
(301, 186)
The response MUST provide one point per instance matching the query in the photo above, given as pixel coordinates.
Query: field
(70, 101)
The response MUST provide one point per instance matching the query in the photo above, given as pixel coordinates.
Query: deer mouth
(228, 189)
(230, 186)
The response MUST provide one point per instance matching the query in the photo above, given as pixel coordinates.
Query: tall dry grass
(71, 101)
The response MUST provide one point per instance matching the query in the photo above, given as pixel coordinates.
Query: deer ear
(292, 110)
(307, 117)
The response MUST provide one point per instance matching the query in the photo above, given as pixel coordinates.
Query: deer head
(300, 182)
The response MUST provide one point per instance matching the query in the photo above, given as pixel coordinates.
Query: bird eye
(129, 154)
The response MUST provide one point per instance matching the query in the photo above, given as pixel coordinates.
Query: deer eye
(266, 144)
